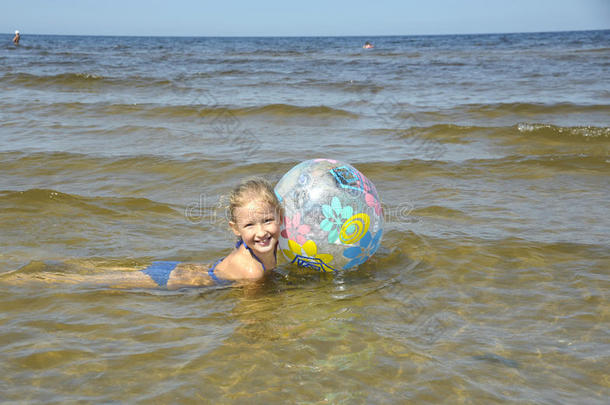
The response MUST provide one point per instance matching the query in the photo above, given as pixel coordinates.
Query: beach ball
(333, 219)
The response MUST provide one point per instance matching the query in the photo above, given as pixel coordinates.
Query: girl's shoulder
(239, 265)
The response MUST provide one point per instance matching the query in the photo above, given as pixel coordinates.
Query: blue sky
(308, 17)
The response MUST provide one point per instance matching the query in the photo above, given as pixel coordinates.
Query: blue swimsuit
(160, 271)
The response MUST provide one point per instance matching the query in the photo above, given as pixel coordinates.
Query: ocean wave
(447, 133)
(81, 81)
(495, 110)
(37, 200)
(510, 166)
(228, 72)
(293, 110)
(279, 110)
(555, 131)
(378, 53)
(405, 114)
(360, 87)
(66, 165)
(592, 50)
(268, 52)
(452, 133)
(201, 107)
(351, 86)
(537, 167)
(238, 61)
(529, 109)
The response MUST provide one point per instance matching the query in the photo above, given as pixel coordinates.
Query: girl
(255, 215)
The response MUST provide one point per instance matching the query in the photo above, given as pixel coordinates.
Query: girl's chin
(265, 246)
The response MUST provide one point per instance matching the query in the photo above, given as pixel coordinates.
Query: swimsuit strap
(213, 276)
(241, 242)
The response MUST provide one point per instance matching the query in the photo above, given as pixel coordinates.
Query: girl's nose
(260, 230)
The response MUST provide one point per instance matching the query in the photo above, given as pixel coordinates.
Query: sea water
(490, 154)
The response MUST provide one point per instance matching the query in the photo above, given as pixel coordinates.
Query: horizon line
(312, 36)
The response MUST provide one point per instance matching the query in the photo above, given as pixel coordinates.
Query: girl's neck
(267, 260)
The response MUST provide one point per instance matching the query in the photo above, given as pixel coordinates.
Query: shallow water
(491, 156)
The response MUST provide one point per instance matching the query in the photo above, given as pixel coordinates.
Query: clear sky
(303, 18)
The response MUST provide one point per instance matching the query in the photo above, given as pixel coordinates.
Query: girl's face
(258, 224)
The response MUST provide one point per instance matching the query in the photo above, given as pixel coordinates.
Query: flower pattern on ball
(354, 228)
(293, 229)
(370, 194)
(360, 254)
(309, 250)
(335, 215)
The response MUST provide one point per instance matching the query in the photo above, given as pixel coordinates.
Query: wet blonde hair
(256, 188)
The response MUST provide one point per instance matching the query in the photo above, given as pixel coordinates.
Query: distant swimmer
(16, 38)
(368, 45)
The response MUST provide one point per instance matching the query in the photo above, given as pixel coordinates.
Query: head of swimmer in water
(255, 214)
